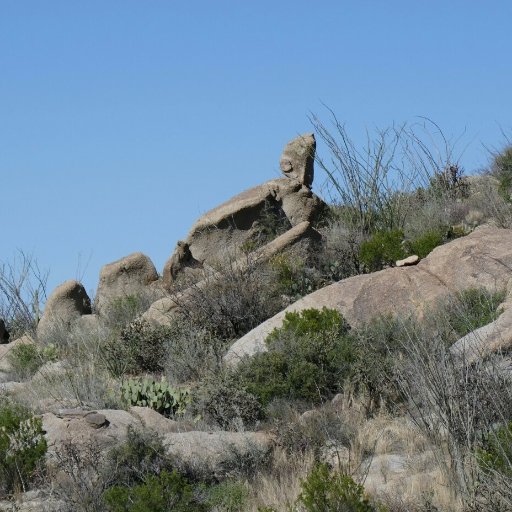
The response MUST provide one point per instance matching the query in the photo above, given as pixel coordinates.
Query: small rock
(407, 262)
(96, 420)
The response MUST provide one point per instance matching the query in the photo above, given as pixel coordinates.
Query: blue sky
(122, 121)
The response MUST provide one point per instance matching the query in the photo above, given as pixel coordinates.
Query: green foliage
(228, 497)
(139, 348)
(26, 358)
(293, 276)
(323, 491)
(502, 169)
(22, 447)
(158, 493)
(382, 249)
(160, 396)
(426, 243)
(496, 453)
(473, 308)
(308, 358)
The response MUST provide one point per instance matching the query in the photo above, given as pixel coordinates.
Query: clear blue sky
(121, 121)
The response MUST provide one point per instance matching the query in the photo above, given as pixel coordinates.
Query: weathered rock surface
(225, 230)
(298, 159)
(407, 262)
(212, 453)
(34, 501)
(163, 311)
(217, 454)
(129, 276)
(4, 335)
(67, 303)
(481, 259)
(493, 337)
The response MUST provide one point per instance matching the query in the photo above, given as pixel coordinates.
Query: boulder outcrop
(66, 304)
(481, 259)
(298, 159)
(273, 207)
(128, 276)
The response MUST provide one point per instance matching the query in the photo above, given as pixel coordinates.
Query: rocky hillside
(290, 351)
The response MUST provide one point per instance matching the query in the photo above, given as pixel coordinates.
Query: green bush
(308, 358)
(473, 308)
(323, 491)
(26, 358)
(502, 170)
(382, 249)
(228, 497)
(22, 447)
(158, 395)
(496, 453)
(158, 493)
(139, 348)
(426, 243)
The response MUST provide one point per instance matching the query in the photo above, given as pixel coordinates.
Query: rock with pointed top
(67, 303)
(127, 277)
(297, 160)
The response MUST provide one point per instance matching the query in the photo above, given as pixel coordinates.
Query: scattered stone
(67, 303)
(298, 158)
(180, 261)
(407, 262)
(96, 420)
(128, 277)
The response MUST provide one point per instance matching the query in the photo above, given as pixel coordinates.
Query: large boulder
(481, 259)
(67, 303)
(213, 454)
(128, 277)
(237, 225)
(4, 334)
(298, 159)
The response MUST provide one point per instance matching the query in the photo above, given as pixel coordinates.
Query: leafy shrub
(382, 249)
(160, 396)
(502, 170)
(158, 493)
(308, 358)
(22, 447)
(224, 402)
(426, 243)
(473, 308)
(496, 453)
(26, 358)
(228, 496)
(323, 491)
(139, 348)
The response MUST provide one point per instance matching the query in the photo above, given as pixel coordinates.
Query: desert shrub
(193, 352)
(426, 243)
(121, 311)
(325, 491)
(382, 249)
(378, 346)
(158, 493)
(502, 170)
(228, 496)
(496, 451)
(26, 358)
(311, 432)
(308, 358)
(22, 447)
(232, 302)
(450, 182)
(223, 401)
(139, 348)
(158, 395)
(294, 278)
(473, 308)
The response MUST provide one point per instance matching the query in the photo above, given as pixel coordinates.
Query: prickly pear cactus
(158, 395)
